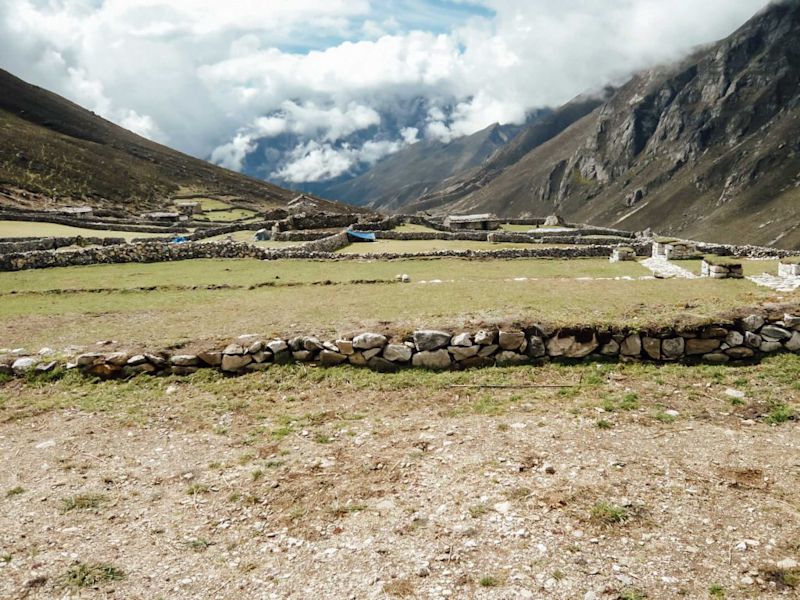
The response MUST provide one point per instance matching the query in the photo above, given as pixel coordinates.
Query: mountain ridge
(707, 147)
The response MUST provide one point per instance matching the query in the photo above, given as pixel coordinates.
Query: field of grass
(248, 236)
(226, 216)
(412, 228)
(470, 293)
(423, 246)
(22, 229)
(526, 228)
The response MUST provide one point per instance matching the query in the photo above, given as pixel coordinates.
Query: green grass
(23, 229)
(226, 215)
(609, 514)
(248, 235)
(249, 271)
(83, 575)
(83, 502)
(412, 228)
(488, 581)
(479, 290)
(423, 246)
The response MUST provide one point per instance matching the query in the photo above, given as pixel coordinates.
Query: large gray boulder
(753, 322)
(536, 347)
(234, 362)
(701, 346)
(775, 333)
(276, 346)
(24, 365)
(672, 348)
(397, 353)
(485, 337)
(512, 340)
(436, 359)
(429, 340)
(183, 360)
(463, 352)
(652, 347)
(367, 341)
(793, 344)
(462, 339)
(631, 346)
(569, 347)
(330, 359)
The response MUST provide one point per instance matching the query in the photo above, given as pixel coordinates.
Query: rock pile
(747, 338)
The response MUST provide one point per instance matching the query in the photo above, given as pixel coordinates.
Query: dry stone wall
(53, 243)
(744, 339)
(117, 224)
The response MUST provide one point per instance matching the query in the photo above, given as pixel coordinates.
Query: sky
(213, 77)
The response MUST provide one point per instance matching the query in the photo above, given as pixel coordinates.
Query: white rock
(368, 341)
(733, 393)
(397, 353)
(462, 339)
(787, 564)
(438, 359)
(24, 364)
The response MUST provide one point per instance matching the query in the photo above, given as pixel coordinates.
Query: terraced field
(194, 302)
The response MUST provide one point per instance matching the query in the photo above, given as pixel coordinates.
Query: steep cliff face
(708, 148)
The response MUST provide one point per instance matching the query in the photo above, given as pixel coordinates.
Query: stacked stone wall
(743, 339)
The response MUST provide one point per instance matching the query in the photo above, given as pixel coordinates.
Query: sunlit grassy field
(423, 246)
(249, 237)
(152, 305)
(23, 229)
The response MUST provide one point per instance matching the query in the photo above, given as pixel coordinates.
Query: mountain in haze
(54, 152)
(419, 169)
(707, 148)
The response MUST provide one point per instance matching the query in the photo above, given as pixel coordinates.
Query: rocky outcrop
(707, 147)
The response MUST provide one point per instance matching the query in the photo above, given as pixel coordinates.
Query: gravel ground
(644, 484)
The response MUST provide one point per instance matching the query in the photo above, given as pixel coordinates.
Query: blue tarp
(360, 236)
(179, 240)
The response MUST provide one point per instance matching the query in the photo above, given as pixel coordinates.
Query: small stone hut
(479, 222)
(189, 207)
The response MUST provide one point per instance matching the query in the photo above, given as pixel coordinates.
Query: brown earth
(305, 483)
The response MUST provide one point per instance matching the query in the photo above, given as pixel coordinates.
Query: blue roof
(362, 236)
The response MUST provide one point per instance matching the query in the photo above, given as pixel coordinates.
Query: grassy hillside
(53, 152)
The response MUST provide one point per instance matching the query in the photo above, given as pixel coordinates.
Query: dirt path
(413, 492)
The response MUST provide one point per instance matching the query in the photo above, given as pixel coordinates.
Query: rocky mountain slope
(420, 168)
(707, 148)
(55, 152)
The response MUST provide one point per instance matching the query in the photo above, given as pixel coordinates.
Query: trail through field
(777, 283)
(662, 268)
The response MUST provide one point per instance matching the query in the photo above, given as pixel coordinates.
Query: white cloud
(212, 78)
(314, 161)
(232, 154)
